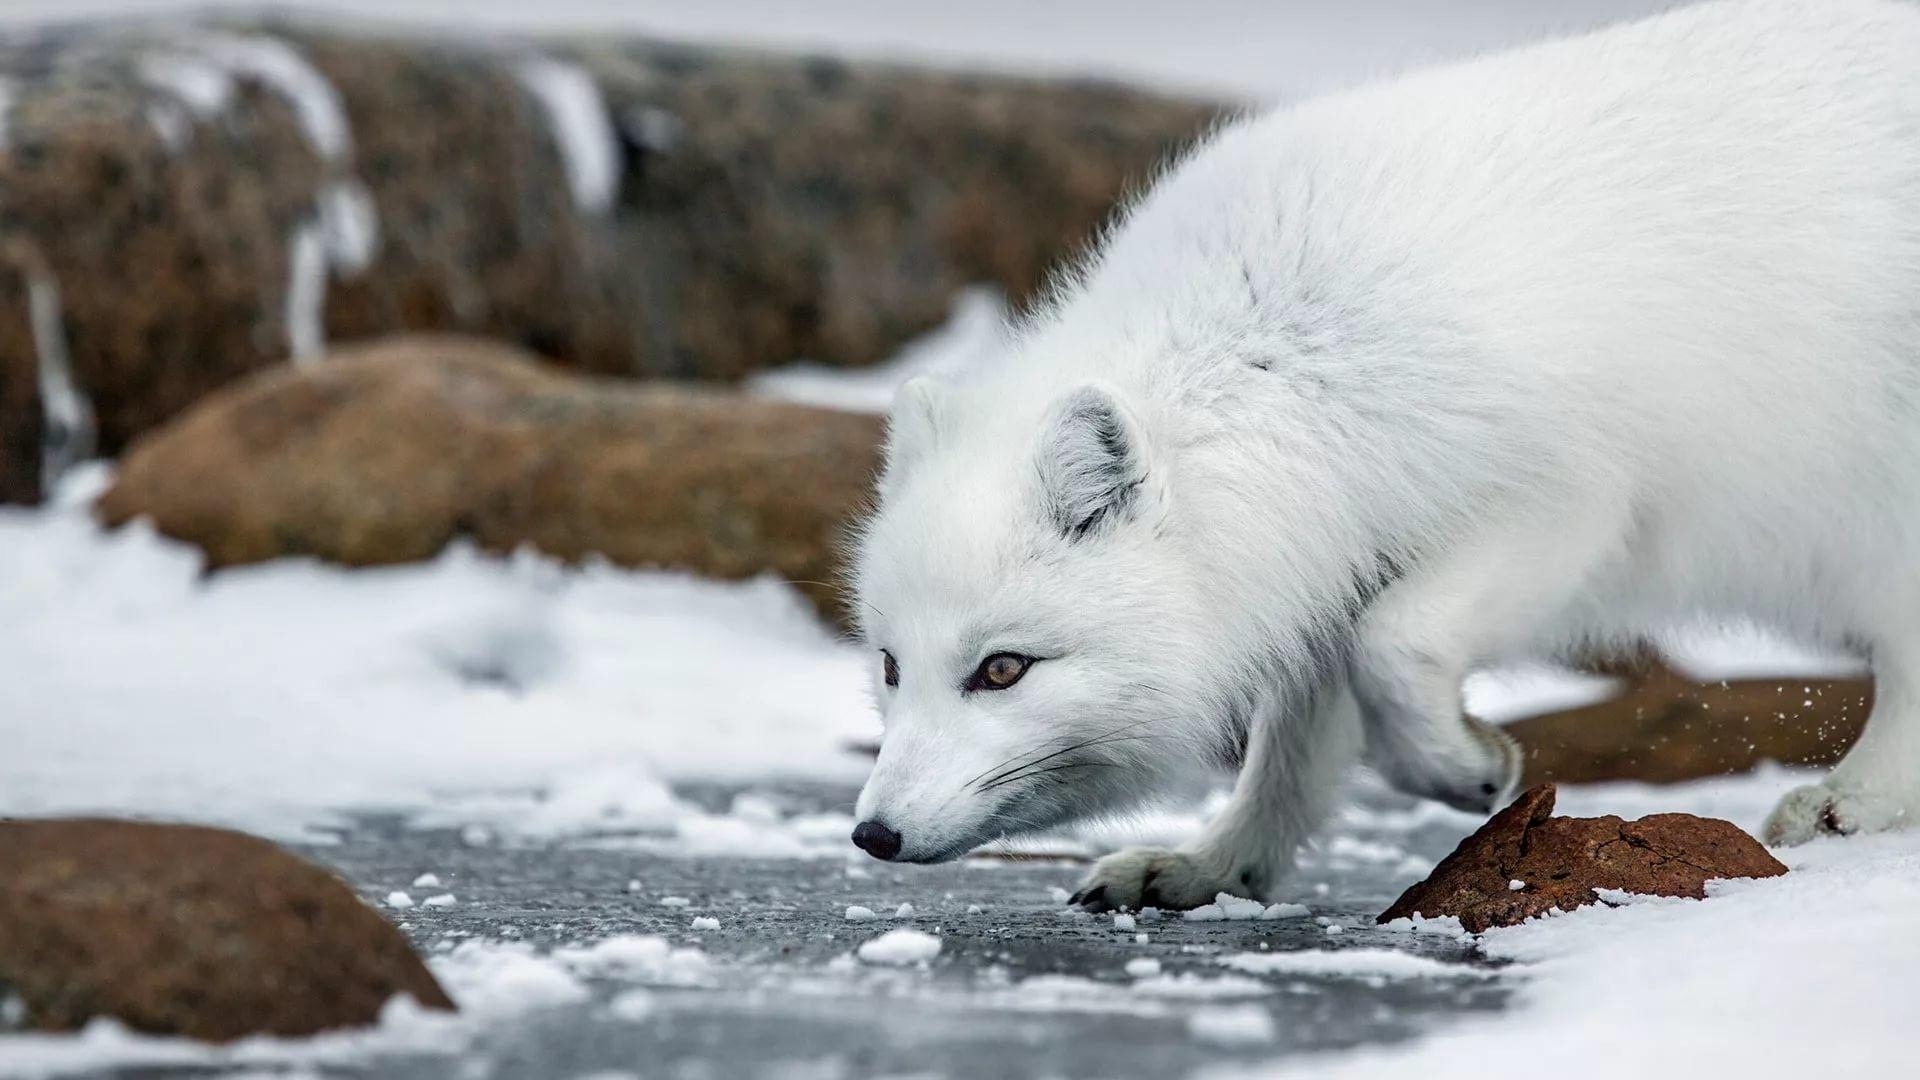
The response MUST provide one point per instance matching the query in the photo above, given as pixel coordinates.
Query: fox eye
(999, 671)
(891, 667)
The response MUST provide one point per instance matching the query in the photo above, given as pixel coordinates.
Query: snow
(976, 327)
(1806, 974)
(643, 958)
(306, 304)
(581, 130)
(898, 947)
(1232, 1025)
(8, 92)
(204, 87)
(278, 66)
(508, 697)
(69, 434)
(1364, 963)
(1228, 908)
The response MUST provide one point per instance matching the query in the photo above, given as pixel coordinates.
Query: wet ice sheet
(573, 959)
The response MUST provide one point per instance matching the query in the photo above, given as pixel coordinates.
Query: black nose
(876, 840)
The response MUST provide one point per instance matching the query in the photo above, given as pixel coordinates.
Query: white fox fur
(1533, 354)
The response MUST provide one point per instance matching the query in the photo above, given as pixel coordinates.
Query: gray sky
(1280, 48)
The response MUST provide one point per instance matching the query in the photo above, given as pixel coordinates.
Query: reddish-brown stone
(191, 931)
(1562, 861)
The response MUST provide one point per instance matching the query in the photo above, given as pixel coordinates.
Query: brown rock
(767, 207)
(190, 931)
(1665, 728)
(386, 453)
(1563, 860)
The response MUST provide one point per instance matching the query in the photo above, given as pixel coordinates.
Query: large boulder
(1526, 862)
(386, 453)
(1664, 727)
(179, 930)
(198, 202)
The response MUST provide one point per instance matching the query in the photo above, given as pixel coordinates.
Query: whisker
(1051, 769)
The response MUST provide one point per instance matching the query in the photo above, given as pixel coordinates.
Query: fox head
(1038, 651)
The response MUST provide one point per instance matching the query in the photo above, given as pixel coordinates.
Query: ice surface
(900, 947)
(581, 130)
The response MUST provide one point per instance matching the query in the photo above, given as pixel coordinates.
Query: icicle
(581, 129)
(68, 434)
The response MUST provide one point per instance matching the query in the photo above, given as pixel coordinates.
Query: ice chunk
(1142, 967)
(1516, 885)
(1227, 907)
(904, 911)
(427, 881)
(399, 901)
(705, 922)
(856, 913)
(1123, 921)
(444, 899)
(674, 901)
(900, 947)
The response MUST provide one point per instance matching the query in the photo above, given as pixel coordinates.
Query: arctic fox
(1536, 353)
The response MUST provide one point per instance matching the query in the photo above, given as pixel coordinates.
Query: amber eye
(999, 671)
(891, 667)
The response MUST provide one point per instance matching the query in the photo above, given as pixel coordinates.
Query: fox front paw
(1158, 878)
(1819, 810)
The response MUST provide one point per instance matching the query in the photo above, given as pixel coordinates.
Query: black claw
(1094, 899)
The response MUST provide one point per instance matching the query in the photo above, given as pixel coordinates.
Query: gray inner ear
(1092, 463)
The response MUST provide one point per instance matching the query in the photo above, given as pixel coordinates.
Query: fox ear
(913, 426)
(1093, 461)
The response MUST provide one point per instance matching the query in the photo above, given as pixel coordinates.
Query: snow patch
(580, 127)
(897, 947)
(1232, 1025)
(1369, 963)
(975, 330)
(641, 958)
